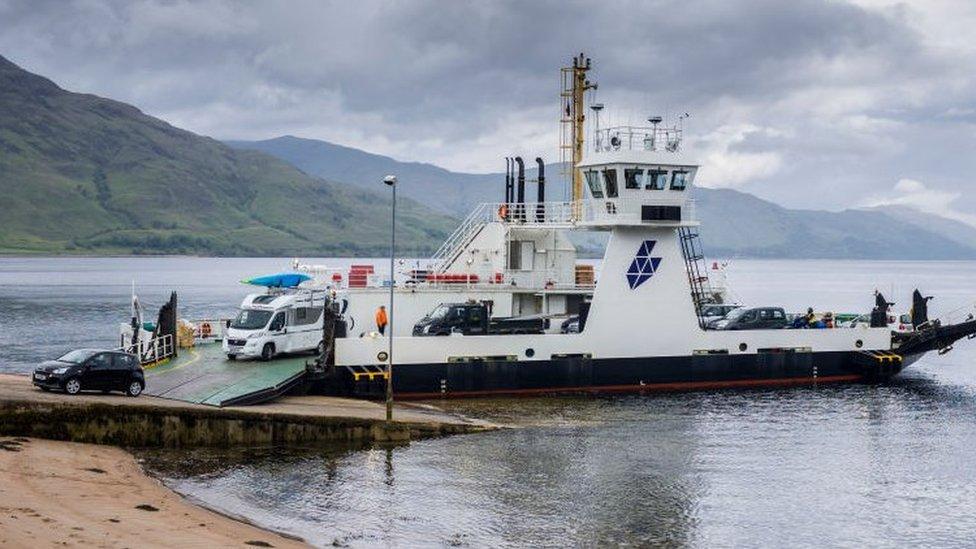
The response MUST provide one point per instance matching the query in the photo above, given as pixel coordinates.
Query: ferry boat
(641, 324)
(646, 323)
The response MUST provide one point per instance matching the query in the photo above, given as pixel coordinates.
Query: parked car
(472, 319)
(757, 318)
(717, 311)
(570, 325)
(92, 369)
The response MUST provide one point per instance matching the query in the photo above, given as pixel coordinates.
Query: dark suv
(759, 318)
(92, 369)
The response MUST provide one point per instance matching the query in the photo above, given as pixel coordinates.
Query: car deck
(204, 375)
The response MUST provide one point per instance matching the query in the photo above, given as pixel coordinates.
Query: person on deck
(811, 318)
(381, 320)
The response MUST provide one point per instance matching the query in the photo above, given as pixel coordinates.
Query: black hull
(581, 374)
(585, 375)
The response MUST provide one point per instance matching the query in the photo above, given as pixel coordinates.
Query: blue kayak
(280, 280)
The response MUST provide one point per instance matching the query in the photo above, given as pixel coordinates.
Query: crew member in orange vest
(381, 320)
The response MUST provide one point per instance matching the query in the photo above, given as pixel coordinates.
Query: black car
(570, 325)
(92, 369)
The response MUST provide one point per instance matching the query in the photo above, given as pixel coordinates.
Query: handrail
(590, 211)
(637, 138)
(460, 237)
(553, 215)
(156, 349)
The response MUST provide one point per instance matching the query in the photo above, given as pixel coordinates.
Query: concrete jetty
(149, 421)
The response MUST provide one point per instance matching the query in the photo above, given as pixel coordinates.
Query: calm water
(856, 465)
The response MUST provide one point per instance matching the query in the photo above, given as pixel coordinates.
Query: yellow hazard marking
(195, 357)
(368, 375)
(153, 364)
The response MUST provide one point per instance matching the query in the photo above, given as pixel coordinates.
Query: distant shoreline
(733, 258)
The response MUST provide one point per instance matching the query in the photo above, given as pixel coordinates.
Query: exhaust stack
(508, 180)
(540, 210)
(520, 208)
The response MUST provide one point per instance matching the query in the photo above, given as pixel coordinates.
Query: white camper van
(274, 323)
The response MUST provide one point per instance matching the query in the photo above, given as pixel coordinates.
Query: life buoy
(503, 211)
(205, 329)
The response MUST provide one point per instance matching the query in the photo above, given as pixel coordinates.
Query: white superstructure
(637, 186)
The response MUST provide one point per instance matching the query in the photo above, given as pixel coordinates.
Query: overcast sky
(812, 104)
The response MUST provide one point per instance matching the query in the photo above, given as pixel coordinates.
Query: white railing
(542, 280)
(460, 237)
(152, 351)
(610, 211)
(585, 212)
(524, 281)
(637, 138)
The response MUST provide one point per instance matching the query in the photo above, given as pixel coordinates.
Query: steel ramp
(203, 375)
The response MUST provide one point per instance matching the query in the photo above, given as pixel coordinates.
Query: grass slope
(79, 172)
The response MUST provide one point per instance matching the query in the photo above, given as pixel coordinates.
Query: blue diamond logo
(643, 266)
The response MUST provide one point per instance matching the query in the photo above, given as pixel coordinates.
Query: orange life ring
(205, 329)
(503, 211)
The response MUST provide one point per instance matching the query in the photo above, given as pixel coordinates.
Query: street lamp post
(391, 180)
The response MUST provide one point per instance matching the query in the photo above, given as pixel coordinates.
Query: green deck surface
(203, 375)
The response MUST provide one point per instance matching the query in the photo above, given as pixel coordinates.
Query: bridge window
(678, 181)
(633, 178)
(656, 180)
(593, 180)
(610, 180)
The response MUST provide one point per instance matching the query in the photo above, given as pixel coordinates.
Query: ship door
(521, 255)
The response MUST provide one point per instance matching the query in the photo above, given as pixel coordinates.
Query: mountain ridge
(84, 174)
(734, 223)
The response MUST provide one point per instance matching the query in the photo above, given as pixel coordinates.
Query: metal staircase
(460, 238)
(691, 250)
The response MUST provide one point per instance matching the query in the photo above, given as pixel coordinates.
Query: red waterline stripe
(654, 387)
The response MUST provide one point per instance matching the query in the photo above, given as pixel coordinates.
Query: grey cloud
(456, 82)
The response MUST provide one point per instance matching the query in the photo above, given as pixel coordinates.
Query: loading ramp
(203, 375)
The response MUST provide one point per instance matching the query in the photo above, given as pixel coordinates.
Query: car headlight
(61, 370)
(255, 334)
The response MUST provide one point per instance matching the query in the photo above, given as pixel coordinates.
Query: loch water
(887, 465)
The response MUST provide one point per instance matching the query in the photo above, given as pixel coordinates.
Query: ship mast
(571, 136)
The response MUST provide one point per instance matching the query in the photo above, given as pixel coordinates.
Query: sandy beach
(69, 494)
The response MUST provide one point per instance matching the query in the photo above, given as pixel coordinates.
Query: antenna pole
(572, 137)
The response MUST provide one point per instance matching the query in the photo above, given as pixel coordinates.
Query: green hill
(79, 172)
